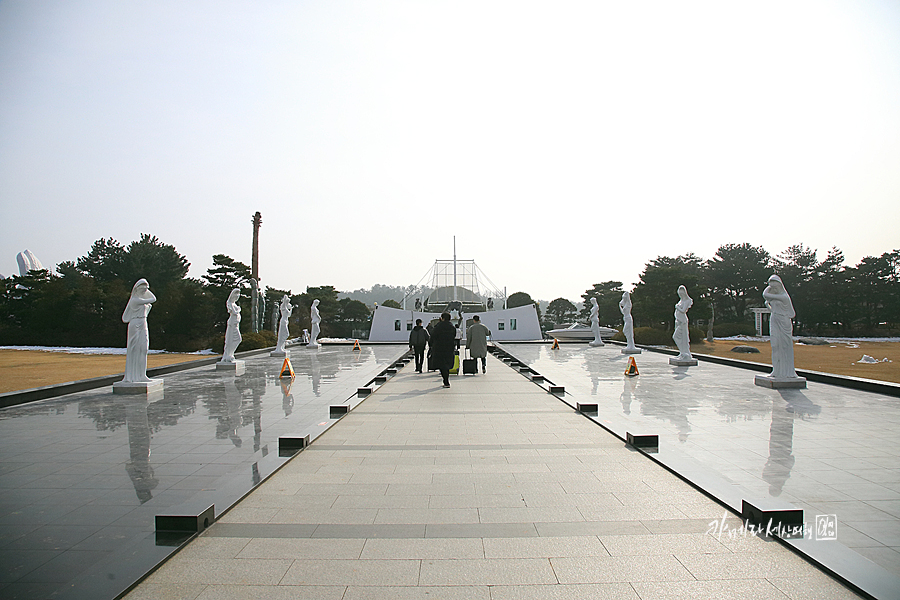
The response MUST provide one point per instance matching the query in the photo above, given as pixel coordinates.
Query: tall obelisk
(254, 274)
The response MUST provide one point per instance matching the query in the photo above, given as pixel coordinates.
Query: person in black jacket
(443, 346)
(418, 337)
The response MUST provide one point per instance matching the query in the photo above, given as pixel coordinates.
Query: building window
(501, 326)
(409, 325)
(512, 324)
(397, 325)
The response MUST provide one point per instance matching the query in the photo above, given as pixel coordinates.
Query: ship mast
(454, 269)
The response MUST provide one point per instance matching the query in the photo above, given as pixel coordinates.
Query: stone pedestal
(680, 362)
(237, 366)
(280, 353)
(780, 382)
(631, 350)
(138, 387)
(597, 344)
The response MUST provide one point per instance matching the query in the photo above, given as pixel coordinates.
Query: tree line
(81, 304)
(830, 298)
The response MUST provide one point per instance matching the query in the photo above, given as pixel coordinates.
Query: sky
(562, 144)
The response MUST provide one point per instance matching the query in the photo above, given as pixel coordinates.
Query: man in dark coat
(418, 337)
(443, 346)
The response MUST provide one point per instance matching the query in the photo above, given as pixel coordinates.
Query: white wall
(526, 323)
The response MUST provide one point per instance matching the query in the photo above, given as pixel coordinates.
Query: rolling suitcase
(455, 369)
(470, 365)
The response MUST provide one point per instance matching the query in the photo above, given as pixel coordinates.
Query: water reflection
(138, 466)
(595, 371)
(629, 388)
(187, 440)
(230, 422)
(315, 374)
(791, 405)
(287, 398)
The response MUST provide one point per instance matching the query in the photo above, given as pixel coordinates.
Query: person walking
(476, 341)
(418, 337)
(443, 346)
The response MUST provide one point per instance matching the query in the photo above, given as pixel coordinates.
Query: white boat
(576, 331)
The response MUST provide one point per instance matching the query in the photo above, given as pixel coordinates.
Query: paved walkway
(492, 489)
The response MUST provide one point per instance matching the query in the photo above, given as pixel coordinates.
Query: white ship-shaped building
(460, 288)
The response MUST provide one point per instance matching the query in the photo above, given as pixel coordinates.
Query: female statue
(286, 310)
(138, 345)
(628, 322)
(233, 327)
(314, 319)
(681, 336)
(595, 323)
(780, 328)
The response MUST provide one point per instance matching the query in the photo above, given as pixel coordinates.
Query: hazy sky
(563, 143)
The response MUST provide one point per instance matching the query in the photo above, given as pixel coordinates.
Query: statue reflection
(256, 416)
(792, 405)
(592, 366)
(287, 399)
(672, 409)
(315, 374)
(230, 422)
(630, 385)
(138, 466)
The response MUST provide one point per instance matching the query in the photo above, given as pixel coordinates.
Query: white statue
(233, 327)
(681, 336)
(28, 262)
(314, 319)
(595, 323)
(138, 345)
(628, 325)
(781, 337)
(286, 310)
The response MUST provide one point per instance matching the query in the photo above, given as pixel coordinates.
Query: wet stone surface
(826, 449)
(83, 476)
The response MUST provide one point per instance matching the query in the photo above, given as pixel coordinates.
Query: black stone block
(288, 446)
(773, 517)
(363, 392)
(558, 390)
(336, 411)
(642, 440)
(587, 407)
(187, 518)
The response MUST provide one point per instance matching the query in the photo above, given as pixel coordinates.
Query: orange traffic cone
(632, 369)
(286, 369)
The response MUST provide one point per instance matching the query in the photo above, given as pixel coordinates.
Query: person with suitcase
(418, 337)
(476, 343)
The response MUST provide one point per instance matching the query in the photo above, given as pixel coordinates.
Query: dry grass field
(26, 369)
(839, 358)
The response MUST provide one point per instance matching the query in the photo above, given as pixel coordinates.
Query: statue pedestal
(680, 362)
(597, 344)
(138, 387)
(780, 382)
(280, 353)
(631, 350)
(236, 366)
(313, 345)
